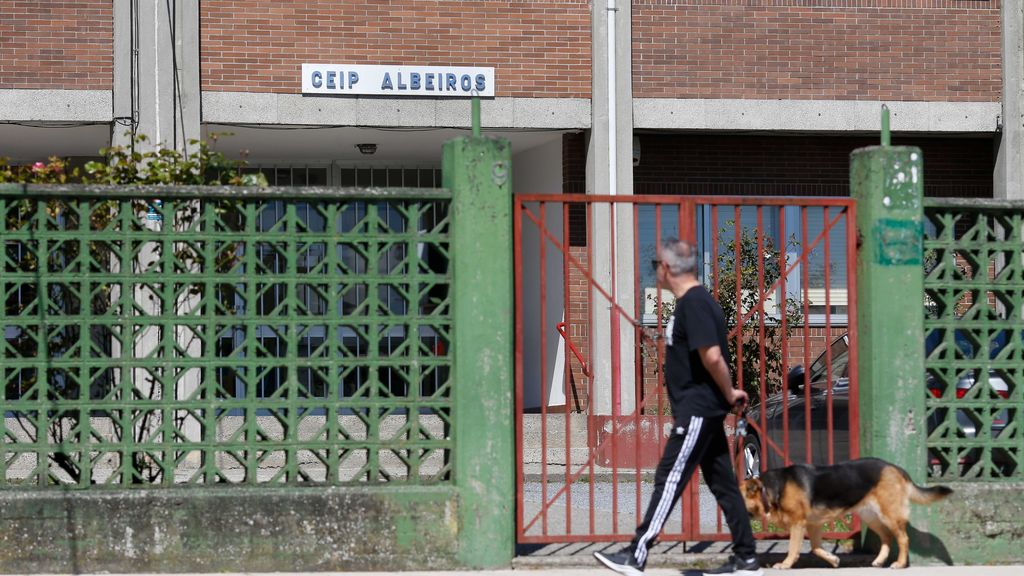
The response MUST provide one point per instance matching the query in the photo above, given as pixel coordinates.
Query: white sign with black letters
(366, 80)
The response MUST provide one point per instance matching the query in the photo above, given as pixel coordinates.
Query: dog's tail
(923, 495)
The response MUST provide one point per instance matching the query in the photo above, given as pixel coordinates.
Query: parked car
(796, 401)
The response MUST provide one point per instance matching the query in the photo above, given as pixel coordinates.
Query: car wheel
(751, 456)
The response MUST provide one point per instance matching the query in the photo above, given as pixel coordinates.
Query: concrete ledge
(229, 529)
(56, 105)
(980, 523)
(815, 115)
(298, 109)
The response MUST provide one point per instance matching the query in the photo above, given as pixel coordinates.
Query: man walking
(700, 391)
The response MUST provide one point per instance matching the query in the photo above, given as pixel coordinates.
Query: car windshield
(840, 360)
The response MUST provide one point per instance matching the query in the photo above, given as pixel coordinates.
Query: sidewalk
(921, 571)
(688, 558)
(598, 571)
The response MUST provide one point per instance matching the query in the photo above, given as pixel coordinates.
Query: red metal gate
(591, 417)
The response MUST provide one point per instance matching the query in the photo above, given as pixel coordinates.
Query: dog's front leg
(814, 533)
(796, 538)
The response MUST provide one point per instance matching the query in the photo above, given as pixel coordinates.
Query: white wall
(539, 171)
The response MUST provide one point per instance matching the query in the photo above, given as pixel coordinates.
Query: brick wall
(578, 329)
(804, 345)
(538, 48)
(906, 50)
(56, 45)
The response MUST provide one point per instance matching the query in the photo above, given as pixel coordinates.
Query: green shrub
(128, 165)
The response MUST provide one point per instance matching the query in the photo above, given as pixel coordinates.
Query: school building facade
(719, 97)
(708, 97)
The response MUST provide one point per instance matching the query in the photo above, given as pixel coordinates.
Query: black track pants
(698, 441)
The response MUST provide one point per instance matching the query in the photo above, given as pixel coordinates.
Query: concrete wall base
(980, 523)
(234, 529)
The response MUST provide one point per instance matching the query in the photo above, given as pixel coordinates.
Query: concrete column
(1009, 172)
(156, 71)
(888, 184)
(612, 134)
(156, 94)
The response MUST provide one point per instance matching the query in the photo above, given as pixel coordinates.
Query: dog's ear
(751, 491)
(751, 487)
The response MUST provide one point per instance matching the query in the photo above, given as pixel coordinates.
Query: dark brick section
(799, 165)
(538, 48)
(905, 50)
(574, 181)
(776, 166)
(56, 45)
(574, 163)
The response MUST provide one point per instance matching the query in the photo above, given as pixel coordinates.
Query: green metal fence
(974, 325)
(280, 336)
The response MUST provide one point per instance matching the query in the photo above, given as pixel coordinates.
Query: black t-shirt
(697, 322)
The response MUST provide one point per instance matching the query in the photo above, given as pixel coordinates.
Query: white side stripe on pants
(665, 504)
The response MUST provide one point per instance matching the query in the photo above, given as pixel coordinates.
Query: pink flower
(38, 166)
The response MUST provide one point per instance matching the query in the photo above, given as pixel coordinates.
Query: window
(839, 353)
(716, 229)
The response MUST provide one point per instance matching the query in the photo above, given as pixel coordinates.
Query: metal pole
(475, 112)
(886, 141)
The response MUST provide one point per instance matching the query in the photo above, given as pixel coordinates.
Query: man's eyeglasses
(655, 264)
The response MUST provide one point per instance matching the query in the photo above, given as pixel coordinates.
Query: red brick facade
(56, 45)
(906, 50)
(538, 48)
(909, 50)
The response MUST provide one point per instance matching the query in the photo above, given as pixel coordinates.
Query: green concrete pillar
(478, 172)
(887, 183)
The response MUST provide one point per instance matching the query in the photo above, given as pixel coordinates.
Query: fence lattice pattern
(271, 337)
(974, 323)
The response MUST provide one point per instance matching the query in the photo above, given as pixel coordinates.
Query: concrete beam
(298, 109)
(55, 105)
(1008, 180)
(814, 115)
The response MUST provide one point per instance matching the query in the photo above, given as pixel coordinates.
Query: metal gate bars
(591, 413)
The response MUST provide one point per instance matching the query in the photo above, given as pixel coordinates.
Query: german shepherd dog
(803, 497)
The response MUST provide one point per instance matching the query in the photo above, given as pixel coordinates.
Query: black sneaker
(738, 566)
(622, 562)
